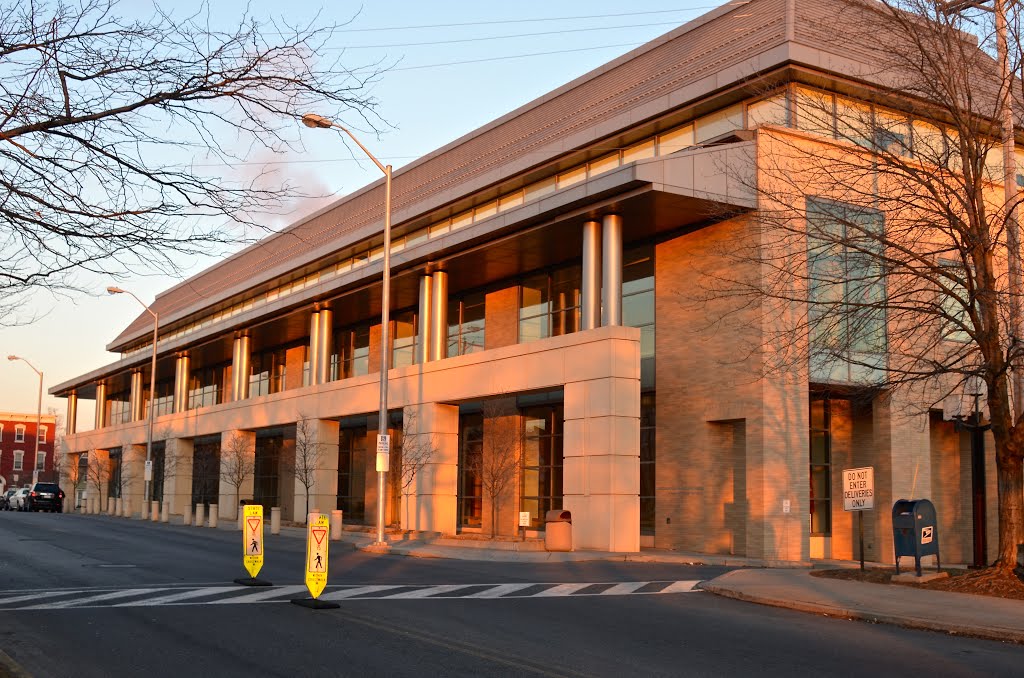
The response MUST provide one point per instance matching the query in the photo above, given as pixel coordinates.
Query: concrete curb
(10, 668)
(985, 632)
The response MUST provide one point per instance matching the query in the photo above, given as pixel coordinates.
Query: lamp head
(314, 120)
(114, 290)
(13, 357)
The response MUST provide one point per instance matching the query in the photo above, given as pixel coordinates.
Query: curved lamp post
(39, 411)
(318, 121)
(152, 393)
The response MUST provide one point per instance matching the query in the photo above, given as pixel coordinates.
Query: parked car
(17, 499)
(5, 499)
(45, 497)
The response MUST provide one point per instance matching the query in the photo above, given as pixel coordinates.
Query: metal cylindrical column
(591, 301)
(181, 373)
(439, 317)
(325, 347)
(426, 313)
(135, 396)
(611, 245)
(314, 347)
(71, 425)
(240, 369)
(101, 405)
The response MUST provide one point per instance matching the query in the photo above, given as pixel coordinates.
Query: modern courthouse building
(544, 272)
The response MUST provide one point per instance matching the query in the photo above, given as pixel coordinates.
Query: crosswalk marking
(156, 596)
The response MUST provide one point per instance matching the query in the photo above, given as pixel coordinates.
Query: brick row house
(19, 462)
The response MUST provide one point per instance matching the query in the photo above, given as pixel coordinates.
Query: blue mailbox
(915, 531)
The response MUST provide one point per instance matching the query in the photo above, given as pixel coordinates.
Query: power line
(516, 56)
(520, 21)
(506, 37)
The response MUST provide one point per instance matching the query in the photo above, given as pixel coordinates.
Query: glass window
(43, 430)
(19, 433)
(540, 188)
(40, 461)
(718, 123)
(644, 149)
(486, 210)
(541, 488)
(404, 339)
(638, 306)
(352, 352)
(893, 133)
(815, 111)
(854, 122)
(466, 324)
(267, 372)
(19, 460)
(572, 177)
(820, 467)
(509, 201)
(266, 465)
(118, 408)
(461, 220)
(206, 387)
(206, 470)
(471, 494)
(773, 110)
(605, 164)
(549, 304)
(647, 459)
(352, 472)
(164, 399)
(675, 140)
(955, 320)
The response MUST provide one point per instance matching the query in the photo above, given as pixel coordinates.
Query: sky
(454, 66)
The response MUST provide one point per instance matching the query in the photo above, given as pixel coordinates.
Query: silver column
(591, 302)
(240, 369)
(314, 347)
(611, 243)
(325, 332)
(71, 425)
(101, 405)
(426, 313)
(181, 373)
(439, 317)
(135, 398)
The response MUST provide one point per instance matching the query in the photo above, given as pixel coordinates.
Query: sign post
(524, 522)
(318, 529)
(252, 545)
(859, 496)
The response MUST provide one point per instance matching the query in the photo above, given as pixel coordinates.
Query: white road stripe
(175, 597)
(623, 589)
(499, 591)
(680, 587)
(269, 592)
(357, 591)
(560, 590)
(37, 596)
(431, 591)
(92, 599)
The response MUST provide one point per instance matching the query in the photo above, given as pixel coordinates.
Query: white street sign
(859, 489)
(149, 470)
(524, 519)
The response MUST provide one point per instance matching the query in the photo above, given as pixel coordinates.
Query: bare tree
(415, 452)
(237, 464)
(879, 257)
(500, 461)
(309, 457)
(98, 475)
(115, 133)
(68, 471)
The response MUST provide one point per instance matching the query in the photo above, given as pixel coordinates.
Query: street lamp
(39, 411)
(383, 441)
(152, 396)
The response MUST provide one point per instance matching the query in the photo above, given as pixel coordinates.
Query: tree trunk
(1010, 482)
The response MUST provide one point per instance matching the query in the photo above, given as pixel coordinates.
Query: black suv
(45, 497)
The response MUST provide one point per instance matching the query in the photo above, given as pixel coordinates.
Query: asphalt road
(95, 596)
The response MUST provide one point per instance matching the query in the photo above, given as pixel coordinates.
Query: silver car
(17, 500)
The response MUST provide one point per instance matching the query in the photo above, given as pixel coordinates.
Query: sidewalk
(956, 613)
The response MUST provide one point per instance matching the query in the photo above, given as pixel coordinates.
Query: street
(97, 596)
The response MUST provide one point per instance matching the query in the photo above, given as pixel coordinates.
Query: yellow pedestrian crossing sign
(316, 554)
(252, 539)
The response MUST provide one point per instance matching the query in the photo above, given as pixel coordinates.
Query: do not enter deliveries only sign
(859, 489)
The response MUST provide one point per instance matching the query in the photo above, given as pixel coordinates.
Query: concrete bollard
(94, 506)
(83, 507)
(111, 502)
(241, 519)
(144, 511)
(213, 515)
(127, 508)
(165, 514)
(186, 515)
(200, 514)
(118, 506)
(154, 508)
(335, 525)
(275, 520)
